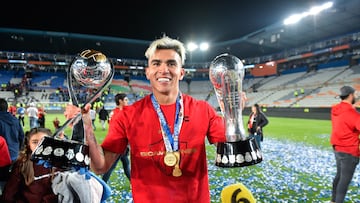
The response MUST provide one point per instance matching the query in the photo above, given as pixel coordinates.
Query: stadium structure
(299, 68)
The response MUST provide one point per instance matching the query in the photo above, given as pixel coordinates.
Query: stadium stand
(319, 88)
(302, 78)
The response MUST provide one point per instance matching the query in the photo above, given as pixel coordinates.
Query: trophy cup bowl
(90, 69)
(226, 74)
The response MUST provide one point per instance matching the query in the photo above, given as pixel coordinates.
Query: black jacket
(103, 114)
(259, 121)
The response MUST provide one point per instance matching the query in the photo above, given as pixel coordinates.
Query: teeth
(163, 79)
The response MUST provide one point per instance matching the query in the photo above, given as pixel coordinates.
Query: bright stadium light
(192, 46)
(204, 46)
(293, 19)
(317, 9)
(197, 49)
(312, 11)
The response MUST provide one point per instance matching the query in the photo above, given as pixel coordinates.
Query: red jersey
(5, 159)
(151, 180)
(41, 112)
(345, 128)
(113, 112)
(12, 110)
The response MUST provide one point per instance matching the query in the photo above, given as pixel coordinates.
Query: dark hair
(33, 131)
(257, 107)
(26, 165)
(343, 97)
(3, 105)
(119, 96)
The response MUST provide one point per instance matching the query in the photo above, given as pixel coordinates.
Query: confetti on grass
(289, 172)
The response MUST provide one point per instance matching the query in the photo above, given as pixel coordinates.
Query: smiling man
(166, 131)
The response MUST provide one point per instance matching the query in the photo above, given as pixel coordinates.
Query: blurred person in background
(12, 132)
(257, 120)
(5, 163)
(41, 116)
(345, 140)
(121, 101)
(103, 117)
(12, 109)
(56, 123)
(32, 112)
(21, 114)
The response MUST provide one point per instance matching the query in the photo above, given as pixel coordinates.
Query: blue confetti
(290, 172)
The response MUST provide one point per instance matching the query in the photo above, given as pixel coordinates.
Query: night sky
(214, 21)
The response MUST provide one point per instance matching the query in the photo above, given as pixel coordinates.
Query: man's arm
(101, 160)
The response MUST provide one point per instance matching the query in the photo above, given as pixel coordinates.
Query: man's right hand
(71, 111)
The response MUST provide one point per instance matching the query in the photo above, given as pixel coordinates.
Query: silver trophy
(226, 74)
(90, 71)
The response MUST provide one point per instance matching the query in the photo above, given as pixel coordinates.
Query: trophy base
(238, 154)
(64, 154)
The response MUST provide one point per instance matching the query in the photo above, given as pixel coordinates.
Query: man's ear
(182, 74)
(146, 72)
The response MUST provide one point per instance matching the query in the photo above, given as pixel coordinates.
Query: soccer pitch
(298, 165)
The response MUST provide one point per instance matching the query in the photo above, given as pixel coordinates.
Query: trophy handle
(78, 128)
(74, 153)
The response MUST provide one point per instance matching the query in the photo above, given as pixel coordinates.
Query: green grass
(306, 131)
(301, 131)
(100, 134)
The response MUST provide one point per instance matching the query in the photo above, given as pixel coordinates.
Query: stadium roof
(243, 28)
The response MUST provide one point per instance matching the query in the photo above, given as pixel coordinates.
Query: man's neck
(166, 99)
(347, 101)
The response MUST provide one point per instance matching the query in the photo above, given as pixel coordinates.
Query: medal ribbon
(171, 140)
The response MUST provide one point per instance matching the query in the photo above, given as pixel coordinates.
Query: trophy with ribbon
(90, 71)
(226, 75)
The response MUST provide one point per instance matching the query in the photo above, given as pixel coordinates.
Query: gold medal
(170, 159)
(177, 154)
(176, 171)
